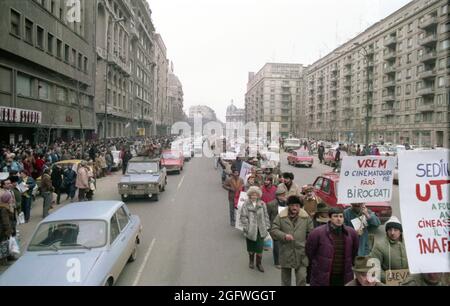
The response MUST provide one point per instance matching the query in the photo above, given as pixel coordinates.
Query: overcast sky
(215, 43)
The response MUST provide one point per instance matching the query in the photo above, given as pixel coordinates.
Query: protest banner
(245, 170)
(366, 179)
(396, 277)
(424, 186)
(242, 198)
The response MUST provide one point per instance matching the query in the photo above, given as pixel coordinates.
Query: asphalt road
(187, 239)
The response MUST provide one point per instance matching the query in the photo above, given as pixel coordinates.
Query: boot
(251, 263)
(259, 262)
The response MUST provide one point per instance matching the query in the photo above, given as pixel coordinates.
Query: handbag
(14, 249)
(21, 218)
(268, 242)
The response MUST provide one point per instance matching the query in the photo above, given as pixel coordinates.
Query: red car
(326, 186)
(330, 156)
(172, 160)
(300, 157)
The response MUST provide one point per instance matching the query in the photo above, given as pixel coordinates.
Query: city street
(186, 237)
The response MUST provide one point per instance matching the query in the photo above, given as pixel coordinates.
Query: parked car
(330, 157)
(326, 188)
(117, 161)
(81, 244)
(187, 152)
(144, 177)
(300, 158)
(274, 147)
(172, 160)
(291, 144)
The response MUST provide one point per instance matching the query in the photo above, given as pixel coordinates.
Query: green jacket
(272, 210)
(292, 253)
(391, 254)
(418, 280)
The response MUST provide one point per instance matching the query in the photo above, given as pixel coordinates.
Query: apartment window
(28, 31)
(418, 86)
(441, 82)
(15, 23)
(61, 94)
(85, 67)
(40, 37)
(52, 7)
(80, 61)
(439, 117)
(399, 90)
(417, 118)
(408, 73)
(439, 100)
(408, 58)
(444, 9)
(74, 57)
(445, 27)
(406, 118)
(445, 44)
(408, 89)
(43, 90)
(5, 76)
(407, 104)
(66, 53)
(399, 48)
(59, 48)
(50, 43)
(419, 54)
(410, 43)
(399, 76)
(410, 27)
(23, 85)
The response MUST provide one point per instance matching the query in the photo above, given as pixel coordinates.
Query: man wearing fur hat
(272, 210)
(291, 228)
(390, 251)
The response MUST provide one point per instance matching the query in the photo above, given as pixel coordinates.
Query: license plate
(138, 187)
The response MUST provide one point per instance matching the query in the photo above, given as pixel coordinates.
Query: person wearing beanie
(391, 251)
(331, 250)
(273, 208)
(255, 223)
(291, 228)
(288, 183)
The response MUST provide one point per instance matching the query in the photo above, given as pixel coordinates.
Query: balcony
(370, 64)
(368, 90)
(427, 74)
(389, 56)
(429, 22)
(389, 111)
(333, 87)
(427, 91)
(426, 107)
(389, 69)
(389, 98)
(430, 56)
(333, 78)
(347, 84)
(347, 61)
(347, 94)
(370, 50)
(347, 72)
(390, 41)
(390, 83)
(333, 69)
(428, 40)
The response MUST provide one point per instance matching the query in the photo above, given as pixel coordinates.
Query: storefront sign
(17, 115)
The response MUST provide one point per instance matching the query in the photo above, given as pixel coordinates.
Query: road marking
(141, 269)
(181, 182)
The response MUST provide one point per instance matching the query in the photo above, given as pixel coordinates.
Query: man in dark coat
(126, 158)
(57, 180)
(321, 152)
(331, 249)
(272, 209)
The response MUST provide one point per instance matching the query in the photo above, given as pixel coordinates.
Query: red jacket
(268, 194)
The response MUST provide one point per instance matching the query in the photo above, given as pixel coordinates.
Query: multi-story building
(175, 98)
(143, 67)
(207, 113)
(47, 70)
(274, 95)
(113, 67)
(235, 114)
(162, 109)
(395, 75)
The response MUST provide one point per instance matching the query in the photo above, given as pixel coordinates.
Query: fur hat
(294, 200)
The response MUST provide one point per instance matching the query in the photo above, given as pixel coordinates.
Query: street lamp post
(110, 22)
(366, 57)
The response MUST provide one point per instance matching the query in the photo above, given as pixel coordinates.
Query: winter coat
(295, 190)
(310, 205)
(321, 151)
(254, 219)
(391, 254)
(82, 181)
(46, 183)
(292, 253)
(419, 280)
(320, 252)
(70, 177)
(57, 178)
(372, 223)
(5, 222)
(272, 210)
(355, 283)
(109, 159)
(31, 184)
(268, 194)
(233, 186)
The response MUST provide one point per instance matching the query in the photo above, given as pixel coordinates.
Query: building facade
(235, 114)
(207, 113)
(47, 71)
(162, 110)
(395, 75)
(175, 97)
(274, 94)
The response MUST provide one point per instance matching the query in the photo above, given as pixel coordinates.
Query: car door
(127, 238)
(114, 252)
(327, 191)
(318, 187)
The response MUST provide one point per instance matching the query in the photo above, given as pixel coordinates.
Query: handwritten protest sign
(366, 179)
(245, 170)
(242, 198)
(396, 277)
(424, 186)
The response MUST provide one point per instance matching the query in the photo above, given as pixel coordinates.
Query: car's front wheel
(133, 255)
(124, 198)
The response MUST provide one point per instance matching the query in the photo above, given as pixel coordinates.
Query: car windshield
(292, 142)
(302, 153)
(170, 155)
(67, 235)
(149, 167)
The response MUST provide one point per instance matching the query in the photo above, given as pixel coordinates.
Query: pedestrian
(103, 164)
(358, 150)
(237, 164)
(337, 158)
(366, 220)
(126, 158)
(82, 181)
(321, 216)
(27, 193)
(69, 181)
(391, 251)
(331, 250)
(288, 183)
(17, 195)
(321, 152)
(425, 279)
(251, 182)
(47, 192)
(364, 265)
(291, 228)
(57, 181)
(255, 223)
(310, 200)
(233, 184)
(6, 187)
(5, 227)
(268, 190)
(272, 210)
(109, 162)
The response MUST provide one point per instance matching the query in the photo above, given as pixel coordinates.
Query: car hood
(139, 178)
(51, 268)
